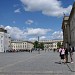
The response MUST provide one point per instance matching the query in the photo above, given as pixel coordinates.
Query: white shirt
(62, 50)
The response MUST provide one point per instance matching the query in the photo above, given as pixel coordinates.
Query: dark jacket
(66, 51)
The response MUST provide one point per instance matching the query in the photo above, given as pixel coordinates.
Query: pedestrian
(54, 50)
(62, 54)
(66, 55)
(71, 50)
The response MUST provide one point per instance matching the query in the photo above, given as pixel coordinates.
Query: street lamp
(38, 46)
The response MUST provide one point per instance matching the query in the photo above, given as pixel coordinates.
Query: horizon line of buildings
(6, 43)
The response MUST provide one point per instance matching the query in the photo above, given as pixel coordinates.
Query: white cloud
(37, 31)
(32, 33)
(42, 37)
(17, 33)
(47, 7)
(29, 22)
(1, 26)
(57, 35)
(33, 39)
(36, 38)
(17, 10)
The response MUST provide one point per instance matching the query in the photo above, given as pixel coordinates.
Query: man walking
(71, 53)
(66, 55)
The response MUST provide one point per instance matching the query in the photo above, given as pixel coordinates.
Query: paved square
(24, 63)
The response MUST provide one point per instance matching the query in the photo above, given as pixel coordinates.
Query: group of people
(64, 54)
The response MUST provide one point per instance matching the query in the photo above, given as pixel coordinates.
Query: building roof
(20, 41)
(3, 30)
(66, 17)
(65, 20)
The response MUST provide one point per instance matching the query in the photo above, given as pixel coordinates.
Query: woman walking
(62, 54)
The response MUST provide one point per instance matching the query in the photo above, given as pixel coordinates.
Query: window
(23, 46)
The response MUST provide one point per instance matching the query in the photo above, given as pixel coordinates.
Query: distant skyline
(28, 19)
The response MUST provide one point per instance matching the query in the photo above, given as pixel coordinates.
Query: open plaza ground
(25, 63)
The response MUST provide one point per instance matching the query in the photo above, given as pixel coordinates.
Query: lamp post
(38, 46)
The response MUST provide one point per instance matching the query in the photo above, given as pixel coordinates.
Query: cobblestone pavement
(24, 63)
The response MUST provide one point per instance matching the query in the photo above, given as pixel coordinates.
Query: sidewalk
(71, 66)
(61, 69)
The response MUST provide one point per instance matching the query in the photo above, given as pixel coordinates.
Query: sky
(28, 19)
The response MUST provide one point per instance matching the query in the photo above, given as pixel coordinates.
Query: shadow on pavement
(58, 62)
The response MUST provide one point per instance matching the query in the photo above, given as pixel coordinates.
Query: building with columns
(18, 45)
(66, 31)
(72, 26)
(68, 27)
(50, 44)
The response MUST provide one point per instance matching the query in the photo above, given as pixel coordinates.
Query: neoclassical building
(72, 26)
(50, 44)
(68, 27)
(18, 45)
(66, 31)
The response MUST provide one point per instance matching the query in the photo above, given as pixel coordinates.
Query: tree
(41, 45)
(59, 44)
(36, 44)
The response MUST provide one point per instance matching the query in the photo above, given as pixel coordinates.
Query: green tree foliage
(59, 44)
(41, 46)
(36, 44)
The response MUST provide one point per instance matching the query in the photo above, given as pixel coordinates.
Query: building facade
(4, 40)
(51, 44)
(72, 26)
(66, 31)
(21, 45)
(68, 27)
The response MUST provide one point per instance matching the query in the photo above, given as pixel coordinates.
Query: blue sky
(28, 19)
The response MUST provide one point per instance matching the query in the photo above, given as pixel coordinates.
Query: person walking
(71, 50)
(66, 55)
(62, 54)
